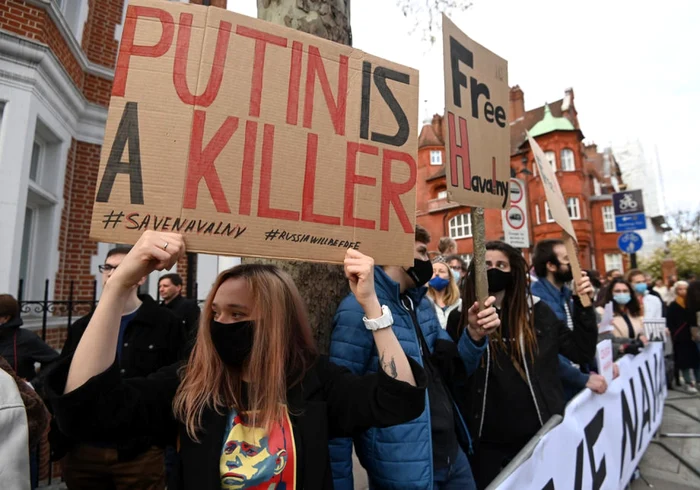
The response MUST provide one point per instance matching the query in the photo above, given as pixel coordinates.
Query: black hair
(544, 253)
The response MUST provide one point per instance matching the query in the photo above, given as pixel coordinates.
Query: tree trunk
(322, 286)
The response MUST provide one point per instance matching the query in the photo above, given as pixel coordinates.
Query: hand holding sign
(153, 251)
(583, 286)
(482, 323)
(359, 269)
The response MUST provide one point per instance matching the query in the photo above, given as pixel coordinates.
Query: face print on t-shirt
(253, 459)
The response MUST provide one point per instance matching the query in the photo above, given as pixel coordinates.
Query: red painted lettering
(127, 49)
(264, 209)
(352, 179)
(251, 138)
(460, 150)
(201, 162)
(337, 109)
(217, 67)
(307, 207)
(261, 40)
(392, 191)
(294, 83)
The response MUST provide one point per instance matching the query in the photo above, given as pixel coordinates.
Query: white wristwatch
(384, 321)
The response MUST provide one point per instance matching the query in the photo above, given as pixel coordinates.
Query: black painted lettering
(592, 431)
(501, 116)
(629, 426)
(477, 89)
(127, 132)
(488, 111)
(132, 223)
(380, 76)
(365, 99)
(459, 53)
(646, 408)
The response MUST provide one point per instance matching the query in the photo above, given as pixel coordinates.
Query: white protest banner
(516, 231)
(604, 359)
(602, 438)
(254, 139)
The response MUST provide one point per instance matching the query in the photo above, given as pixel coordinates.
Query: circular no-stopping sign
(516, 191)
(515, 217)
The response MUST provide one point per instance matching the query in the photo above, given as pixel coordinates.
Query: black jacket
(188, 313)
(685, 351)
(553, 338)
(329, 402)
(152, 340)
(29, 347)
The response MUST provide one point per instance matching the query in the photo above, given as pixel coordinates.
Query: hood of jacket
(388, 288)
(14, 323)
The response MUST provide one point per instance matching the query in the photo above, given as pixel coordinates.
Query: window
(435, 157)
(37, 154)
(27, 237)
(574, 207)
(613, 261)
(75, 12)
(608, 219)
(442, 195)
(537, 214)
(551, 159)
(461, 226)
(550, 219)
(567, 160)
(597, 191)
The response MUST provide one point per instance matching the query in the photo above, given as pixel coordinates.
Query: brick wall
(98, 41)
(75, 247)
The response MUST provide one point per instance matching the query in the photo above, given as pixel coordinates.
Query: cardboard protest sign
(552, 191)
(257, 140)
(558, 209)
(477, 139)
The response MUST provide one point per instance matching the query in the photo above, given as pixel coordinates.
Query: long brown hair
(515, 308)
(283, 351)
(633, 307)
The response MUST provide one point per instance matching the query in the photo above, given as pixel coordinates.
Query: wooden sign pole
(572, 251)
(479, 256)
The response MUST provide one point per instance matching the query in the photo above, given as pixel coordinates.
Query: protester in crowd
(685, 352)
(447, 246)
(660, 288)
(458, 266)
(670, 296)
(21, 348)
(37, 422)
(429, 452)
(520, 367)
(14, 455)
(147, 338)
(443, 291)
(607, 280)
(170, 289)
(255, 404)
(651, 305)
(628, 325)
(552, 267)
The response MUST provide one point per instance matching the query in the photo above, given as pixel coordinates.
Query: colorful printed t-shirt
(252, 459)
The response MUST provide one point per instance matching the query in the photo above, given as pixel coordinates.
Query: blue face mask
(622, 299)
(456, 275)
(438, 283)
(640, 288)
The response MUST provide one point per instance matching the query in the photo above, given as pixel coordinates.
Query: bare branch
(427, 14)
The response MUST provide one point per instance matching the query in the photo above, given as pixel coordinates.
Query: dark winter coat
(188, 313)
(685, 351)
(28, 346)
(553, 338)
(329, 402)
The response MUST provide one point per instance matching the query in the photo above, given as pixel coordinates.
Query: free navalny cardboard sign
(257, 140)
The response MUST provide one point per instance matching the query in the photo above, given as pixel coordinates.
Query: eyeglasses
(457, 268)
(106, 268)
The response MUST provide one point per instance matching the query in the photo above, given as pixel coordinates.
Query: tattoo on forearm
(389, 367)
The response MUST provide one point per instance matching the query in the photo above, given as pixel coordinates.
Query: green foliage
(685, 253)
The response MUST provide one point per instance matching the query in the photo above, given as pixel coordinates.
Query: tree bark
(322, 286)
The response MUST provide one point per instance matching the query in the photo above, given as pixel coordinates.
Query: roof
(532, 117)
(550, 123)
(428, 136)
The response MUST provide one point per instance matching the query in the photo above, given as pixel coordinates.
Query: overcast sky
(634, 67)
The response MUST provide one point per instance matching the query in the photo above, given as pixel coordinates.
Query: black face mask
(498, 280)
(233, 341)
(563, 276)
(421, 272)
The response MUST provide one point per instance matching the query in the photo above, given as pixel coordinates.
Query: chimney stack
(517, 104)
(437, 127)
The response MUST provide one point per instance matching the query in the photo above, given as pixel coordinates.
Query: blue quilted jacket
(398, 457)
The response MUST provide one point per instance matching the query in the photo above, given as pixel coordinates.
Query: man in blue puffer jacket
(429, 452)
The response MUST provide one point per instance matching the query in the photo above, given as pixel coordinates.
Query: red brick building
(587, 179)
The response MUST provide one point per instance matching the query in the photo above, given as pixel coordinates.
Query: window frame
(435, 162)
(454, 226)
(608, 220)
(577, 206)
(553, 161)
(564, 161)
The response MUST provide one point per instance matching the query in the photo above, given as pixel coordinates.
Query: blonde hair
(283, 351)
(452, 290)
